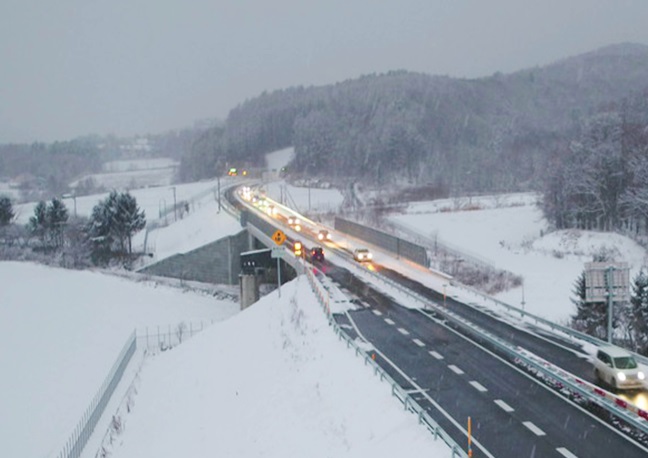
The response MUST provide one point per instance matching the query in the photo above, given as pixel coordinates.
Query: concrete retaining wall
(218, 262)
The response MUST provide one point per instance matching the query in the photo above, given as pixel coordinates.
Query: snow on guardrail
(627, 412)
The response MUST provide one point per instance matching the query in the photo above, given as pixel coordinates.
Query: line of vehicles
(315, 253)
(613, 367)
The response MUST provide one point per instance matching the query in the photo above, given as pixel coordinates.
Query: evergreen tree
(639, 307)
(6, 211)
(98, 233)
(128, 220)
(38, 224)
(112, 225)
(57, 217)
(590, 317)
(48, 222)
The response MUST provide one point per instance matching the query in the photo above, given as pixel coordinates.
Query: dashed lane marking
(376, 312)
(478, 386)
(418, 342)
(436, 355)
(505, 407)
(534, 429)
(388, 321)
(455, 369)
(564, 452)
(403, 331)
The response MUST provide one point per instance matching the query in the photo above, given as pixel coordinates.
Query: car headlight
(641, 375)
(621, 376)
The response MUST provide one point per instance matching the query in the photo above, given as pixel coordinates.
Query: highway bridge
(529, 391)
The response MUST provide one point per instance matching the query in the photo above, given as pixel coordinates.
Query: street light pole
(608, 284)
(444, 294)
(175, 205)
(219, 196)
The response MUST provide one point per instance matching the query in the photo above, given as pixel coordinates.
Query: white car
(293, 221)
(362, 255)
(323, 235)
(616, 367)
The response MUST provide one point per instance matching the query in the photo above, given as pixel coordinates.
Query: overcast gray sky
(75, 67)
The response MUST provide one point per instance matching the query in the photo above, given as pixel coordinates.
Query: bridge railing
(634, 416)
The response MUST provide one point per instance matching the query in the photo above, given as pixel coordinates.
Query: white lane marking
(418, 342)
(504, 405)
(388, 321)
(478, 386)
(455, 369)
(376, 312)
(436, 355)
(534, 429)
(564, 452)
(457, 425)
(403, 331)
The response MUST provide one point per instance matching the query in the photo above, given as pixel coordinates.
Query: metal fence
(397, 245)
(84, 428)
(397, 391)
(153, 339)
(570, 383)
(162, 338)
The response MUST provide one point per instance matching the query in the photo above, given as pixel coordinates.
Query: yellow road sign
(279, 237)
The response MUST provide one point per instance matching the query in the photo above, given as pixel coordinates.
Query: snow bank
(274, 381)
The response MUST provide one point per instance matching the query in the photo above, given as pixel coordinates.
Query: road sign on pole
(607, 282)
(279, 237)
(278, 252)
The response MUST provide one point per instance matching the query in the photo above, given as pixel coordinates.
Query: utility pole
(219, 196)
(608, 287)
(175, 205)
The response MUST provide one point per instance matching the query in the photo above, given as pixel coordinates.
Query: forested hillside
(487, 134)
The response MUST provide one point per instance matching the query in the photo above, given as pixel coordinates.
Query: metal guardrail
(627, 412)
(397, 391)
(153, 339)
(550, 324)
(510, 308)
(323, 298)
(84, 428)
(630, 414)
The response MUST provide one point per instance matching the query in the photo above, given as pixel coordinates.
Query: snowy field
(134, 173)
(139, 164)
(155, 201)
(510, 233)
(305, 200)
(273, 381)
(60, 333)
(221, 391)
(7, 191)
(131, 179)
